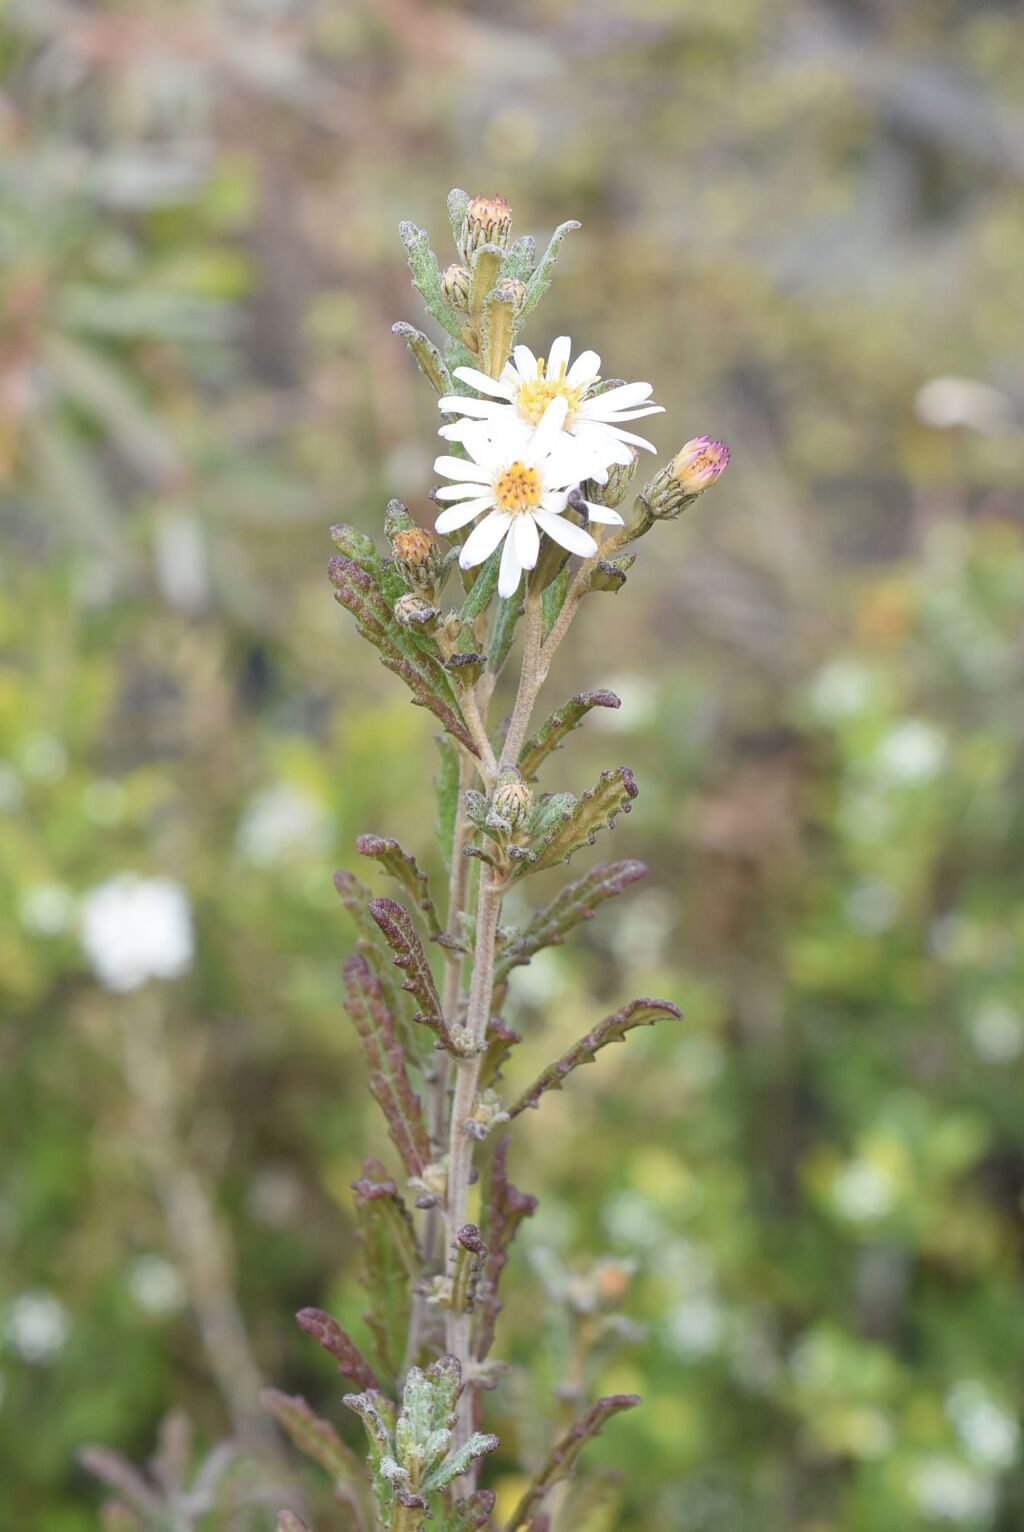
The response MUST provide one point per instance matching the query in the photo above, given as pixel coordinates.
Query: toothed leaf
(503, 1208)
(540, 281)
(577, 901)
(400, 935)
(328, 1333)
(403, 867)
(638, 1013)
(562, 722)
(389, 1080)
(388, 1264)
(426, 356)
(457, 1462)
(556, 835)
(317, 1438)
(563, 1457)
(426, 275)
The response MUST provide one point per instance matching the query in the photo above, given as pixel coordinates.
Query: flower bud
(512, 803)
(613, 491)
(694, 469)
(418, 557)
(455, 282)
(414, 611)
(512, 287)
(487, 222)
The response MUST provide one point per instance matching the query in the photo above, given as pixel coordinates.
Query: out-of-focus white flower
(863, 1191)
(155, 1285)
(949, 401)
(528, 385)
(43, 758)
(997, 1033)
(47, 909)
(872, 906)
(990, 1433)
(281, 821)
(522, 480)
(695, 1327)
(912, 751)
(37, 1326)
(947, 1490)
(840, 690)
(134, 929)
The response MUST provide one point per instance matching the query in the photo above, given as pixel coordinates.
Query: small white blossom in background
(863, 1191)
(279, 822)
(47, 909)
(912, 751)
(155, 1285)
(946, 402)
(872, 906)
(997, 1033)
(522, 481)
(44, 758)
(946, 1490)
(990, 1433)
(527, 386)
(134, 929)
(36, 1326)
(841, 690)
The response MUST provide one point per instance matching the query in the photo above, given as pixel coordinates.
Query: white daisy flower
(522, 478)
(528, 385)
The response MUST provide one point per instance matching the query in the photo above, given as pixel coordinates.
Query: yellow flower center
(517, 489)
(534, 395)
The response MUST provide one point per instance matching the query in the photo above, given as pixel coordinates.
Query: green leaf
(403, 867)
(446, 796)
(553, 599)
(577, 901)
(497, 332)
(110, 396)
(426, 356)
(486, 271)
(426, 276)
(469, 1514)
(400, 935)
(389, 1081)
(360, 593)
(389, 1263)
(457, 1462)
(118, 1474)
(287, 1521)
(504, 632)
(458, 201)
(638, 1013)
(562, 722)
(540, 281)
(317, 1438)
(563, 824)
(562, 1459)
(482, 589)
(520, 258)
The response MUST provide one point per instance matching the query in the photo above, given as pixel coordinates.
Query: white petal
(463, 404)
(621, 398)
(457, 468)
(603, 514)
(527, 541)
(636, 441)
(558, 356)
(483, 540)
(457, 515)
(510, 570)
(554, 500)
(462, 491)
(566, 533)
(585, 368)
(607, 439)
(482, 383)
(550, 427)
(526, 363)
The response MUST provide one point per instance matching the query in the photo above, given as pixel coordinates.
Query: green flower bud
(455, 284)
(620, 476)
(512, 803)
(488, 221)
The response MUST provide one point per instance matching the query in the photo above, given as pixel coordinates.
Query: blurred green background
(802, 222)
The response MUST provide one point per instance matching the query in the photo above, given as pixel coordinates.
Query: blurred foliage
(807, 1200)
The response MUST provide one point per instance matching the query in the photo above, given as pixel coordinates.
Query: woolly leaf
(504, 632)
(503, 1208)
(400, 935)
(403, 867)
(554, 836)
(469, 1514)
(426, 275)
(520, 258)
(389, 1263)
(457, 1462)
(458, 202)
(355, 545)
(540, 281)
(389, 1081)
(577, 901)
(563, 1457)
(328, 1333)
(638, 1013)
(482, 589)
(486, 268)
(426, 356)
(562, 722)
(500, 1042)
(356, 589)
(498, 332)
(317, 1438)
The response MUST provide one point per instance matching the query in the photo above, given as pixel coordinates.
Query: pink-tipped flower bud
(694, 469)
(699, 464)
(488, 221)
(418, 557)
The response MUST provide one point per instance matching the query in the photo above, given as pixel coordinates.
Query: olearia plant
(539, 459)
